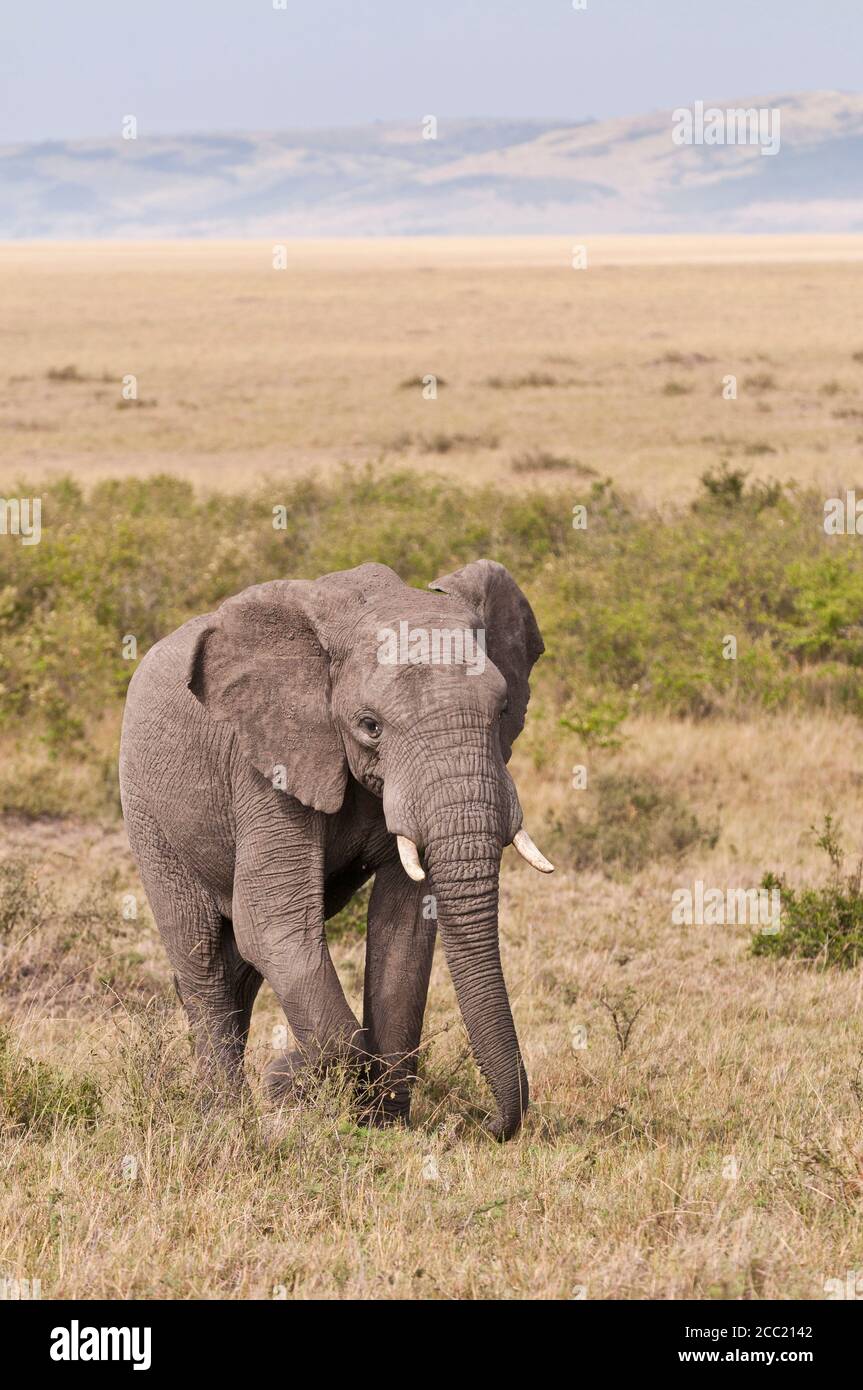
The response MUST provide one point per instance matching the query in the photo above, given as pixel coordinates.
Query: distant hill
(478, 176)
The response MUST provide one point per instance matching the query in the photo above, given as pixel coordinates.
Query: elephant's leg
(278, 914)
(216, 987)
(220, 1024)
(399, 949)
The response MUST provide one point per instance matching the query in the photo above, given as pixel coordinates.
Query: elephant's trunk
(464, 870)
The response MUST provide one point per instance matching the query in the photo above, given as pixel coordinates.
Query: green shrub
(36, 1097)
(417, 383)
(351, 921)
(760, 381)
(724, 484)
(634, 609)
(543, 461)
(726, 487)
(632, 821)
(528, 380)
(23, 900)
(597, 724)
(441, 443)
(69, 373)
(824, 924)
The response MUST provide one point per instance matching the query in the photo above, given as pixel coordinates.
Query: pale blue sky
(69, 70)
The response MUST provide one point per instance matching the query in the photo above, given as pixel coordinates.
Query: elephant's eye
(371, 727)
(503, 711)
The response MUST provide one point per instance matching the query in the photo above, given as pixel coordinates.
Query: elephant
(279, 752)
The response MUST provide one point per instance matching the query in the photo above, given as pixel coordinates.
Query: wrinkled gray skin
(241, 874)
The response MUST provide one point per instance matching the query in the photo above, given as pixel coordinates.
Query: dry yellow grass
(719, 1155)
(243, 369)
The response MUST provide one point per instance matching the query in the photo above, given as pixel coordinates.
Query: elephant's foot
(288, 1077)
(383, 1102)
(381, 1116)
(292, 1076)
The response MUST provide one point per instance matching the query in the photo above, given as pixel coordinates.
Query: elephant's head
(418, 696)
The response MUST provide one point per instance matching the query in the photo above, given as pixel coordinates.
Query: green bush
(825, 924)
(36, 1097)
(351, 921)
(631, 821)
(597, 724)
(724, 484)
(23, 900)
(634, 609)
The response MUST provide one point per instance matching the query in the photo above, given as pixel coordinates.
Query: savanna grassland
(696, 1128)
(243, 369)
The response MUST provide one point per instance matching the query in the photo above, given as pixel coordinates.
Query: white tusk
(409, 855)
(528, 850)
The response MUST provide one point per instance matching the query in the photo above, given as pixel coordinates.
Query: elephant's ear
(512, 638)
(260, 665)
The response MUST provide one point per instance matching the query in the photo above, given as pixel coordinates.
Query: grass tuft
(38, 1097)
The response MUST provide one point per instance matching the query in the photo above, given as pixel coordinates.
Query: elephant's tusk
(409, 855)
(528, 850)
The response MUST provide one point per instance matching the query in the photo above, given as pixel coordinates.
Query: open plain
(697, 1120)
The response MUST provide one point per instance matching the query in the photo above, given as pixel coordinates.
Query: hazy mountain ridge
(478, 176)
